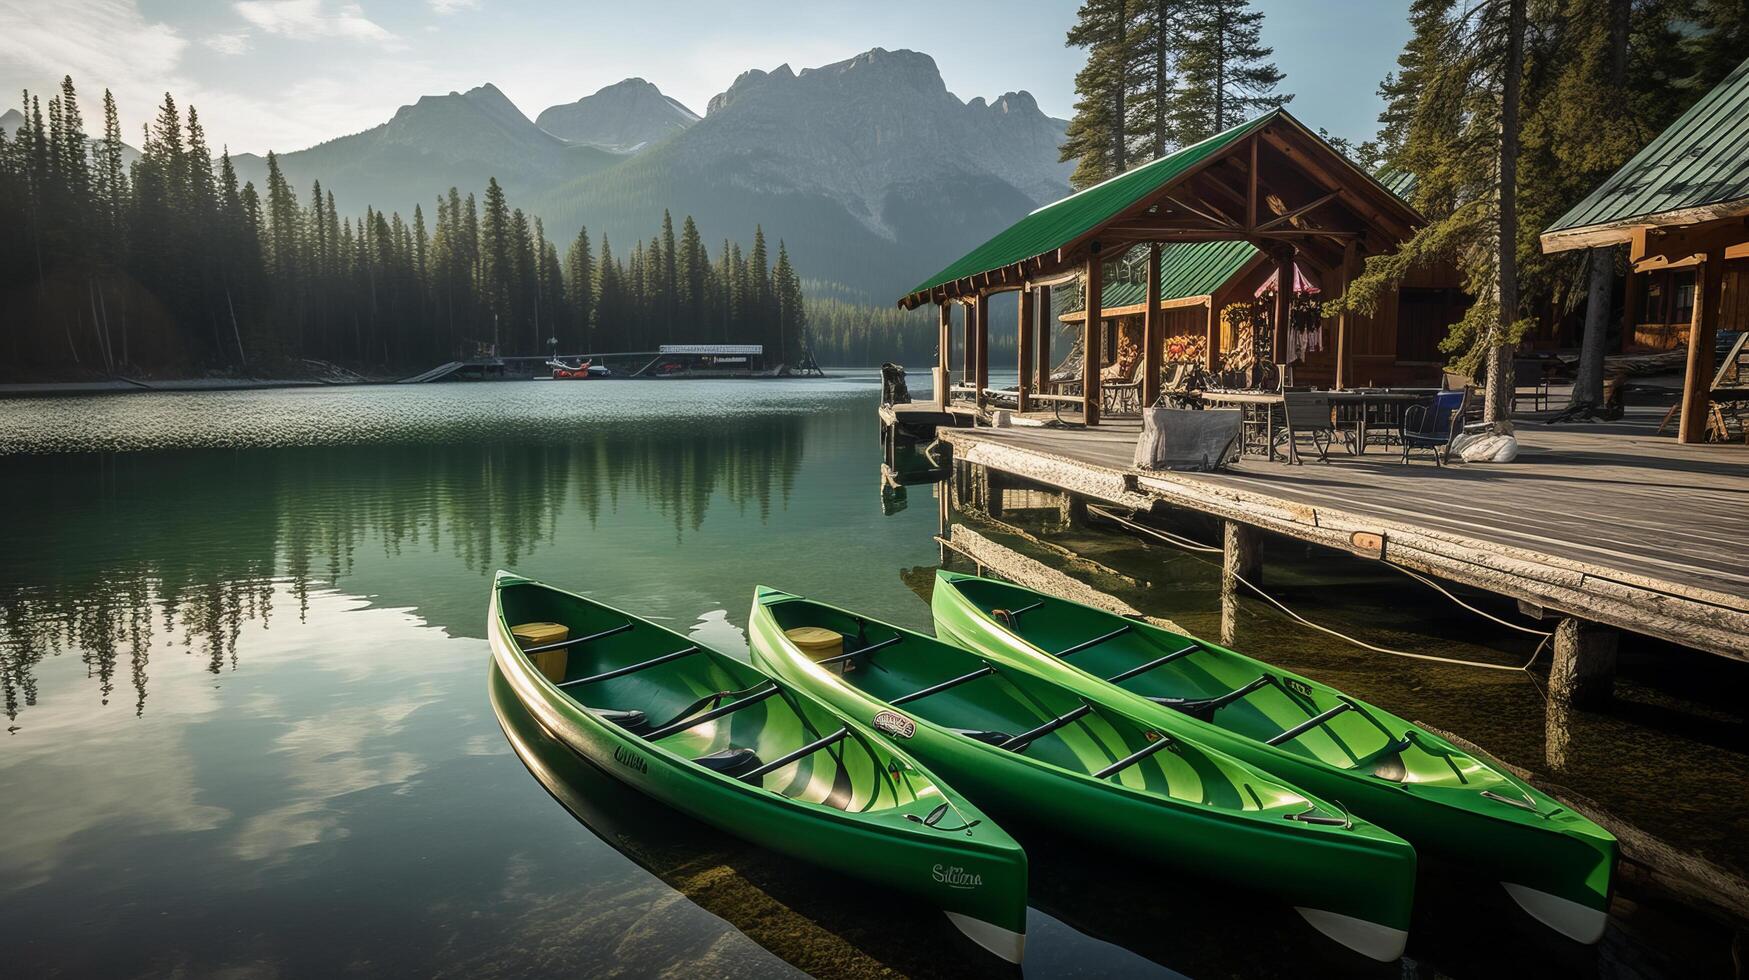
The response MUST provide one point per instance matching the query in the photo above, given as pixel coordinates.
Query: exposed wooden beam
(1027, 329)
(942, 368)
(1350, 256)
(1046, 331)
(1682, 243)
(1289, 216)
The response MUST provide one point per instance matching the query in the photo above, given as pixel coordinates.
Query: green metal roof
(1701, 159)
(1186, 269)
(1057, 224)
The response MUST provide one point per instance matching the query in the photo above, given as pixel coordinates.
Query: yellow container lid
(815, 638)
(535, 634)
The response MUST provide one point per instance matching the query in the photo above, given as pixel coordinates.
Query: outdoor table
(1257, 410)
(1365, 409)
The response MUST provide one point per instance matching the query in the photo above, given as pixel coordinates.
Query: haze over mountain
(442, 141)
(623, 117)
(12, 119)
(872, 172)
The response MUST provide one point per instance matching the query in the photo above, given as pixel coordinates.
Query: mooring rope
(1190, 545)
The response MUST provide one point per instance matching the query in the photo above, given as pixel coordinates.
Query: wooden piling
(1583, 674)
(1241, 557)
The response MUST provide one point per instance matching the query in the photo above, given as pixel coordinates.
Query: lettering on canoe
(1297, 686)
(894, 724)
(631, 760)
(955, 876)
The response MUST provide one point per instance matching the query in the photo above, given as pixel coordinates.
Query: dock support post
(1028, 331)
(994, 484)
(1702, 331)
(1153, 331)
(981, 321)
(1583, 674)
(1074, 512)
(1047, 328)
(943, 368)
(1242, 557)
(1091, 327)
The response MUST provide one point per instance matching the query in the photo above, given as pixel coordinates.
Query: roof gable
(1700, 161)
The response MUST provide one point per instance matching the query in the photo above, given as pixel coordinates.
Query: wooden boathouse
(1681, 205)
(1601, 529)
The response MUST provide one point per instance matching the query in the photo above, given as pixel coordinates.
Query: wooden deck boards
(1610, 510)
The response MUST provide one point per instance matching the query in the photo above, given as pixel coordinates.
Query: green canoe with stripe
(1554, 862)
(737, 749)
(1019, 743)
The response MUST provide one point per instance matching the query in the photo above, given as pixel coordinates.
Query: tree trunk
(1498, 403)
(1587, 394)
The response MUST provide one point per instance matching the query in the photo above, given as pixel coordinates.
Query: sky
(285, 74)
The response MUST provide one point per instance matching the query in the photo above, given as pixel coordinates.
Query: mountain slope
(623, 117)
(459, 140)
(870, 170)
(12, 119)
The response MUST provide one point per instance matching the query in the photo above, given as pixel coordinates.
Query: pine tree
(497, 265)
(1156, 47)
(1226, 75)
(690, 271)
(1097, 136)
(580, 289)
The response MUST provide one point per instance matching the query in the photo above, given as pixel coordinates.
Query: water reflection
(192, 541)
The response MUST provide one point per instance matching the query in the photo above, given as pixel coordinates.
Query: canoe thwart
(1020, 742)
(872, 647)
(801, 753)
(760, 693)
(578, 641)
(634, 668)
(1205, 708)
(1156, 662)
(1077, 648)
(1134, 757)
(1309, 724)
(1007, 615)
(944, 685)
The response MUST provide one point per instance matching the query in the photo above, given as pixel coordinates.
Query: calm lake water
(252, 730)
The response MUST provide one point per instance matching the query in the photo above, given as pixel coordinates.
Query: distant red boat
(578, 371)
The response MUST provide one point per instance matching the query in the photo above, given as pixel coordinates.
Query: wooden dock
(1607, 524)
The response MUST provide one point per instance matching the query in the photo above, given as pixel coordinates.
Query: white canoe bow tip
(1009, 945)
(1369, 939)
(1580, 923)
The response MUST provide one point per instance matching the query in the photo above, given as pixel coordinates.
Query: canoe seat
(633, 721)
(730, 761)
(988, 738)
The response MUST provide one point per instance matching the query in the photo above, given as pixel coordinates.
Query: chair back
(1442, 416)
(1307, 409)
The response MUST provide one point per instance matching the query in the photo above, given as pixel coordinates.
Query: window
(1682, 310)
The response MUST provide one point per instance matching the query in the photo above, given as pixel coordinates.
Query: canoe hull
(1357, 888)
(989, 873)
(1554, 863)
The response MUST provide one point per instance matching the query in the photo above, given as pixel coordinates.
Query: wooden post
(981, 311)
(944, 373)
(1023, 400)
(1702, 332)
(1284, 298)
(1633, 290)
(968, 356)
(1212, 349)
(1349, 253)
(1153, 331)
(1242, 556)
(1047, 329)
(1090, 331)
(1583, 673)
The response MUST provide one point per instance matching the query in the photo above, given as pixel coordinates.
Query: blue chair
(1432, 427)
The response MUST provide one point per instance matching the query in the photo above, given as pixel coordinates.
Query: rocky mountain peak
(623, 117)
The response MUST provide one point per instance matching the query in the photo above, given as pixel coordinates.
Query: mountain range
(870, 170)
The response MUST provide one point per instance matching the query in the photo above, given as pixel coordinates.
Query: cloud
(308, 20)
(95, 39)
(445, 7)
(227, 44)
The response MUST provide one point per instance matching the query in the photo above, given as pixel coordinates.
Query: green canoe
(1021, 743)
(1555, 863)
(728, 745)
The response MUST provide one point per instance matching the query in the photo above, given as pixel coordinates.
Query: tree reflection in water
(111, 549)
